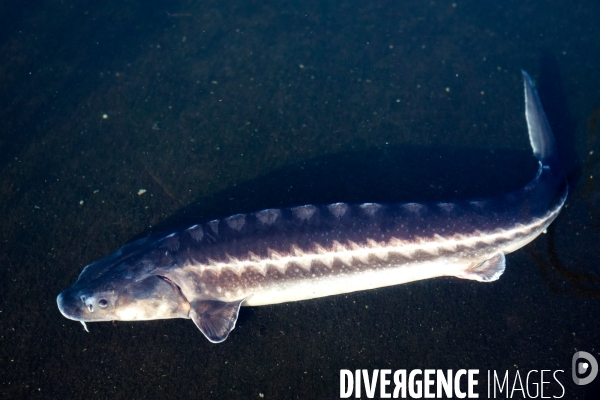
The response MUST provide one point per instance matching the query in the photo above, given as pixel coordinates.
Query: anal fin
(215, 319)
(486, 271)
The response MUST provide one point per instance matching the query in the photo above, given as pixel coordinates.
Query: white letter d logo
(583, 367)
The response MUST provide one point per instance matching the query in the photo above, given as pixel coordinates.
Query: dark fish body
(206, 271)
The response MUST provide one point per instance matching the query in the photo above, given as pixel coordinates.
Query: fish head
(125, 286)
(153, 297)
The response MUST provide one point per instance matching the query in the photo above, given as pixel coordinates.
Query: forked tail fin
(540, 134)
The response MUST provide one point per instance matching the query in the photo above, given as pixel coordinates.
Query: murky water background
(223, 107)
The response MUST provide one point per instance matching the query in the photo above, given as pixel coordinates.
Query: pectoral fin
(215, 319)
(486, 271)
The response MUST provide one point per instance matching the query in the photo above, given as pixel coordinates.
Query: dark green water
(223, 107)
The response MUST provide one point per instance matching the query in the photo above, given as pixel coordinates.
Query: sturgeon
(207, 271)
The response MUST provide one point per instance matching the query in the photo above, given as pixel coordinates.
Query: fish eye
(103, 303)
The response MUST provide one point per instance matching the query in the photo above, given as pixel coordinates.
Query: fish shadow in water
(577, 280)
(390, 174)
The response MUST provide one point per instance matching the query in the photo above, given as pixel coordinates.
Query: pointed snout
(69, 306)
